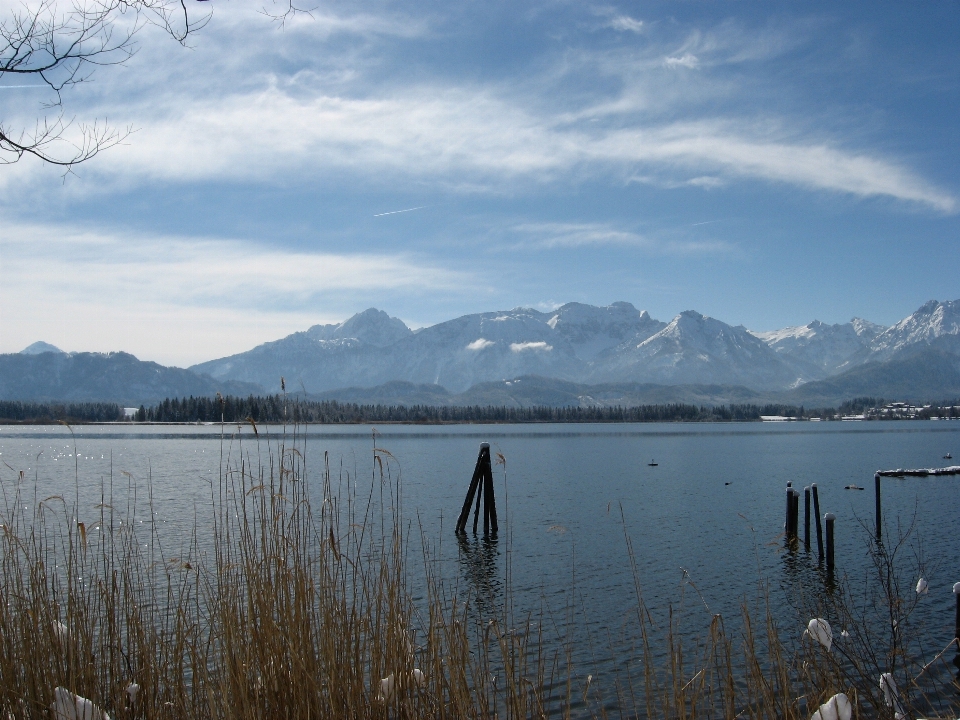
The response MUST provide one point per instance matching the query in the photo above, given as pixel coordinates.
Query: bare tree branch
(62, 48)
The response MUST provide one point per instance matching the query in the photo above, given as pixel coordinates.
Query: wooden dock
(922, 472)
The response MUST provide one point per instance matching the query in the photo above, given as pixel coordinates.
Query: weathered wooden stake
(806, 519)
(876, 492)
(481, 485)
(465, 511)
(830, 519)
(786, 515)
(476, 511)
(956, 625)
(956, 629)
(796, 513)
(816, 514)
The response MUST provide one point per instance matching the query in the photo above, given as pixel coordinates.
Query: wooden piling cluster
(481, 485)
(791, 524)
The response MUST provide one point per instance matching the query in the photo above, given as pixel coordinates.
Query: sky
(764, 163)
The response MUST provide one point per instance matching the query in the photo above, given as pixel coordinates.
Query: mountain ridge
(585, 345)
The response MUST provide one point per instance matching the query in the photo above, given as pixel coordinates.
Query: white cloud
(626, 24)
(572, 235)
(687, 60)
(480, 344)
(473, 138)
(534, 346)
(183, 300)
(274, 106)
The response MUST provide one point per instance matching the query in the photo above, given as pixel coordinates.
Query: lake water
(710, 512)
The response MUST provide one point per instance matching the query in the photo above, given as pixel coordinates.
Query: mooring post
(489, 497)
(956, 624)
(806, 519)
(876, 493)
(474, 486)
(476, 510)
(787, 521)
(956, 629)
(795, 513)
(816, 513)
(786, 515)
(830, 519)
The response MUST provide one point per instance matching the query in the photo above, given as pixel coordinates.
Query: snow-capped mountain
(575, 343)
(592, 330)
(373, 327)
(936, 324)
(694, 348)
(456, 354)
(822, 349)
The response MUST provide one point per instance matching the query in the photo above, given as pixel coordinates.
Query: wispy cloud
(297, 114)
(625, 23)
(570, 235)
(474, 137)
(574, 235)
(135, 285)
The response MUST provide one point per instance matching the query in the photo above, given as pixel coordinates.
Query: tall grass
(295, 598)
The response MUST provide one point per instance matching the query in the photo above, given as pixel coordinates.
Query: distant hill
(40, 347)
(113, 377)
(926, 375)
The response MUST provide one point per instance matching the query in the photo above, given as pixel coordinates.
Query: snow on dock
(922, 472)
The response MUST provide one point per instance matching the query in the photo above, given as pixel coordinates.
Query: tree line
(294, 410)
(279, 408)
(16, 411)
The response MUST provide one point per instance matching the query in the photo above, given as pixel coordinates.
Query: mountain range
(575, 354)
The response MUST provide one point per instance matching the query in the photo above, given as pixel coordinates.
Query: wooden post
(816, 513)
(795, 513)
(830, 519)
(956, 629)
(476, 510)
(806, 519)
(489, 497)
(788, 515)
(876, 493)
(474, 483)
(956, 625)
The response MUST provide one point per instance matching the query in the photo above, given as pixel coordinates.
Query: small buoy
(726, 483)
(922, 586)
(836, 708)
(819, 629)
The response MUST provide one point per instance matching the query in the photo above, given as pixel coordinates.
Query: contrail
(4, 87)
(705, 222)
(394, 212)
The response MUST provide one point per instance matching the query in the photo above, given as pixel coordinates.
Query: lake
(710, 513)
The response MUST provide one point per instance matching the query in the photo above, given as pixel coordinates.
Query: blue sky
(763, 163)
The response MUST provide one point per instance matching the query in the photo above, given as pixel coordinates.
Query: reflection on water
(479, 563)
